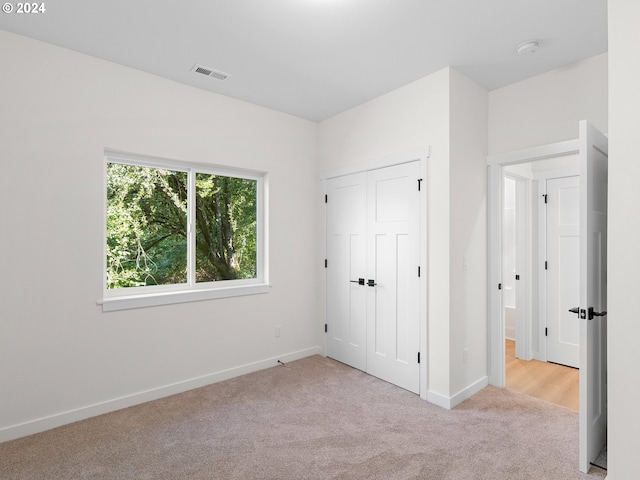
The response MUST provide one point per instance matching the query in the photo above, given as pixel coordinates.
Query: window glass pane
(226, 232)
(146, 226)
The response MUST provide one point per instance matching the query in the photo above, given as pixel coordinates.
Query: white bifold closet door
(373, 272)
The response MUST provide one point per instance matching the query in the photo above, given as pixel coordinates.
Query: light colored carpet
(310, 419)
(601, 459)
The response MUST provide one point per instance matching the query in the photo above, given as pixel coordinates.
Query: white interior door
(563, 270)
(393, 260)
(593, 293)
(346, 264)
(372, 272)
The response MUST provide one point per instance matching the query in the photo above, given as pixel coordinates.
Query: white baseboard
(52, 421)
(451, 402)
(439, 400)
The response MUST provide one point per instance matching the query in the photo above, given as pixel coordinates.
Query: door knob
(575, 310)
(371, 283)
(360, 281)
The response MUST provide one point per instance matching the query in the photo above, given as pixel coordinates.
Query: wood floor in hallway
(548, 381)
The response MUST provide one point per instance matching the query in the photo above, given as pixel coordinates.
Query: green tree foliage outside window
(225, 228)
(147, 234)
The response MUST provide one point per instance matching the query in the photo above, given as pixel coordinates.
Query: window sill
(124, 302)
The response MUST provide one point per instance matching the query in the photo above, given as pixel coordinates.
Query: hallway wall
(624, 231)
(547, 108)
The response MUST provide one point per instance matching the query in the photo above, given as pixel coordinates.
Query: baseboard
(451, 402)
(469, 391)
(439, 400)
(46, 423)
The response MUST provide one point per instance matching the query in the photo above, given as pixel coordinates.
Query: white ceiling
(316, 58)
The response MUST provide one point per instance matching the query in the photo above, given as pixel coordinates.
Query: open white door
(593, 147)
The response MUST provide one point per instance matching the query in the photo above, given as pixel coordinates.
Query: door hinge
(545, 198)
(326, 198)
(418, 270)
(418, 357)
(419, 184)
(546, 265)
(517, 277)
(546, 332)
(499, 286)
(325, 328)
(325, 263)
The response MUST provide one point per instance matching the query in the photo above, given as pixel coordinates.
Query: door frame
(421, 156)
(496, 347)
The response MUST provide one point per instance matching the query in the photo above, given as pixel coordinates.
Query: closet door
(346, 265)
(392, 264)
(372, 272)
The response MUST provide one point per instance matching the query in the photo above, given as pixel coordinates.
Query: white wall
(58, 351)
(418, 116)
(624, 231)
(547, 108)
(468, 232)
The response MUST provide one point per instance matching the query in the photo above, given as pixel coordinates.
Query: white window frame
(190, 291)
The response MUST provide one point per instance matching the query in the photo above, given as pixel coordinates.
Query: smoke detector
(528, 47)
(210, 72)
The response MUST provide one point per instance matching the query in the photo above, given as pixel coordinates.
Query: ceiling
(317, 58)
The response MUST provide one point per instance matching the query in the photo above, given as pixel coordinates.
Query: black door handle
(360, 281)
(587, 314)
(595, 314)
(371, 283)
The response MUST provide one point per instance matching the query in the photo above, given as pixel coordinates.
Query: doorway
(539, 264)
(591, 148)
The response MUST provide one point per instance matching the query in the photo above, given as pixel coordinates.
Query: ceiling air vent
(209, 72)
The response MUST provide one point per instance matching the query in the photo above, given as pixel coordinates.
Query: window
(179, 232)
